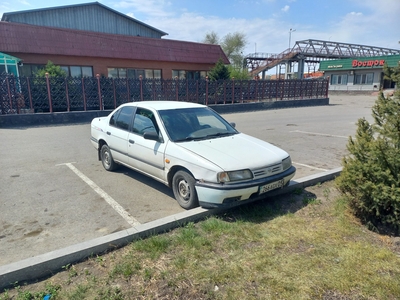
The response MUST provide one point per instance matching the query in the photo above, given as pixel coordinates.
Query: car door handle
(131, 141)
(109, 133)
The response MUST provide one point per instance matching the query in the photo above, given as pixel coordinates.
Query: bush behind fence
(62, 94)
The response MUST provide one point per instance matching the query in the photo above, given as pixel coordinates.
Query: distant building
(359, 74)
(89, 39)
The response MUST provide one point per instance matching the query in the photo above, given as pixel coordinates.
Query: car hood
(236, 152)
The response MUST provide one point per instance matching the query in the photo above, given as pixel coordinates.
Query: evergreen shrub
(370, 179)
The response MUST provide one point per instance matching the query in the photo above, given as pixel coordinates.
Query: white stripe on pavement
(311, 167)
(114, 204)
(322, 134)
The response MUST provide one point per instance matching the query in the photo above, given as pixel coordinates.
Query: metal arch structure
(310, 51)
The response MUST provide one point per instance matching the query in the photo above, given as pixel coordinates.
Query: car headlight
(286, 163)
(235, 175)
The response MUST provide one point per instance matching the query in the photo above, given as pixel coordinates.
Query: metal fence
(63, 94)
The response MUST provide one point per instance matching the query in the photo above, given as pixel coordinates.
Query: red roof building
(80, 52)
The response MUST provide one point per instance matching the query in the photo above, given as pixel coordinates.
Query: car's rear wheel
(184, 190)
(106, 158)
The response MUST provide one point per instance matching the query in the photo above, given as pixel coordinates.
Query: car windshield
(198, 123)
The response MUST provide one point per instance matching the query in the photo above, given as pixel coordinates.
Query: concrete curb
(43, 265)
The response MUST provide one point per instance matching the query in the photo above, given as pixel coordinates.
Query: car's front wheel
(106, 158)
(184, 190)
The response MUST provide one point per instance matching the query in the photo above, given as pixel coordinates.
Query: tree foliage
(239, 74)
(52, 70)
(370, 179)
(232, 44)
(211, 38)
(219, 72)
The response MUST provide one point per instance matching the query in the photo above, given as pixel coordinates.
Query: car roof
(164, 105)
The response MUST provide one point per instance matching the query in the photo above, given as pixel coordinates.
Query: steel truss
(311, 51)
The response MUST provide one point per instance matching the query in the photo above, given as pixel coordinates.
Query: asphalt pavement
(55, 195)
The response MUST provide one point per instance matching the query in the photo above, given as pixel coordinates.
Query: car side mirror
(151, 136)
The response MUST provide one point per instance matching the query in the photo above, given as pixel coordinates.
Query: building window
(181, 74)
(367, 78)
(28, 70)
(339, 79)
(133, 73)
(78, 71)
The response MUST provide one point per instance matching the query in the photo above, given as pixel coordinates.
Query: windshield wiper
(206, 137)
(187, 139)
(219, 134)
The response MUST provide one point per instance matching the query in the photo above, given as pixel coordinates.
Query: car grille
(267, 171)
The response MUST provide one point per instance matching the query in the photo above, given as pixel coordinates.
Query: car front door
(146, 155)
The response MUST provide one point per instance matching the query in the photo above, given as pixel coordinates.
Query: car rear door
(118, 131)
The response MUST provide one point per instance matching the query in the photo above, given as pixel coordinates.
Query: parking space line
(322, 134)
(114, 204)
(311, 167)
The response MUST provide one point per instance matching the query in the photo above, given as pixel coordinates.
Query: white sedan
(192, 149)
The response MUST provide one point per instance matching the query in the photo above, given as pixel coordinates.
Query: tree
(238, 74)
(219, 72)
(232, 44)
(52, 70)
(370, 179)
(211, 38)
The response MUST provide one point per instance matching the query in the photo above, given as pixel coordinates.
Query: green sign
(372, 62)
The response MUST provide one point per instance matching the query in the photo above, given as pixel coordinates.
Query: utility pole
(290, 35)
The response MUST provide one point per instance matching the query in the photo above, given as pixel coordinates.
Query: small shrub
(370, 179)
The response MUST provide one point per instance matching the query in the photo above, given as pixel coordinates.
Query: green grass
(305, 245)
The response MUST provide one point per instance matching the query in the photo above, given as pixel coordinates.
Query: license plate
(271, 186)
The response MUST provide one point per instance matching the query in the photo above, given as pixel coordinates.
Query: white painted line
(114, 204)
(322, 134)
(311, 167)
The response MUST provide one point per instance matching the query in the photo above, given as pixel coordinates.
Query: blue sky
(265, 23)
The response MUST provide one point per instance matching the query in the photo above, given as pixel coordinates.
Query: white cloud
(355, 13)
(151, 8)
(286, 8)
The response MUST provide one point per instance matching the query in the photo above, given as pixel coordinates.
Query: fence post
(99, 92)
(67, 94)
(258, 100)
(176, 89)
(48, 92)
(233, 90)
(84, 95)
(187, 90)
(9, 92)
(241, 91)
(141, 87)
(114, 93)
(206, 90)
(153, 85)
(224, 91)
(327, 88)
(127, 90)
(29, 92)
(197, 91)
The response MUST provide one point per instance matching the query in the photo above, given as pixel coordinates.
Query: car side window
(122, 118)
(144, 122)
(114, 117)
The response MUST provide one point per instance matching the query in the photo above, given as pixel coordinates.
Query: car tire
(107, 159)
(184, 190)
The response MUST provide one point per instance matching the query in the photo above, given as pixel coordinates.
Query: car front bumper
(216, 195)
